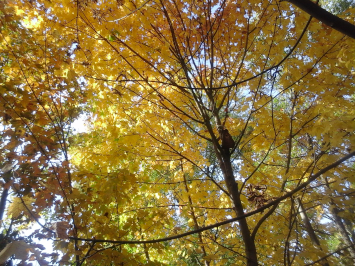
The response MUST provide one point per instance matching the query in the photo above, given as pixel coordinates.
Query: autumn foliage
(217, 133)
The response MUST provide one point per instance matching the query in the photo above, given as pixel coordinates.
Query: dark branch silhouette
(326, 17)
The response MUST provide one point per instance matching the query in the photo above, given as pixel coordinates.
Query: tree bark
(309, 227)
(326, 17)
(6, 175)
(250, 249)
(342, 230)
(5, 192)
(349, 227)
(334, 210)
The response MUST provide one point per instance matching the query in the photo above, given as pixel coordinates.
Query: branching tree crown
(218, 132)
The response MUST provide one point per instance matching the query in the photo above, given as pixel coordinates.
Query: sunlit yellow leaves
(20, 206)
(156, 81)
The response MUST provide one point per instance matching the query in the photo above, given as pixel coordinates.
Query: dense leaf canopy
(217, 132)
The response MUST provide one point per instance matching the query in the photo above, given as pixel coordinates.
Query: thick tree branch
(326, 17)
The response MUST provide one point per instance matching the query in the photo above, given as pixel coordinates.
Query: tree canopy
(218, 132)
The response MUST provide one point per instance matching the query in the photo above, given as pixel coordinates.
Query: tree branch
(272, 203)
(326, 17)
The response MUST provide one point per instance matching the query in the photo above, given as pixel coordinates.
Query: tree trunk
(5, 192)
(342, 230)
(309, 228)
(250, 249)
(340, 225)
(349, 227)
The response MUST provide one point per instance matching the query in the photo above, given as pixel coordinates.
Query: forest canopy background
(219, 132)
